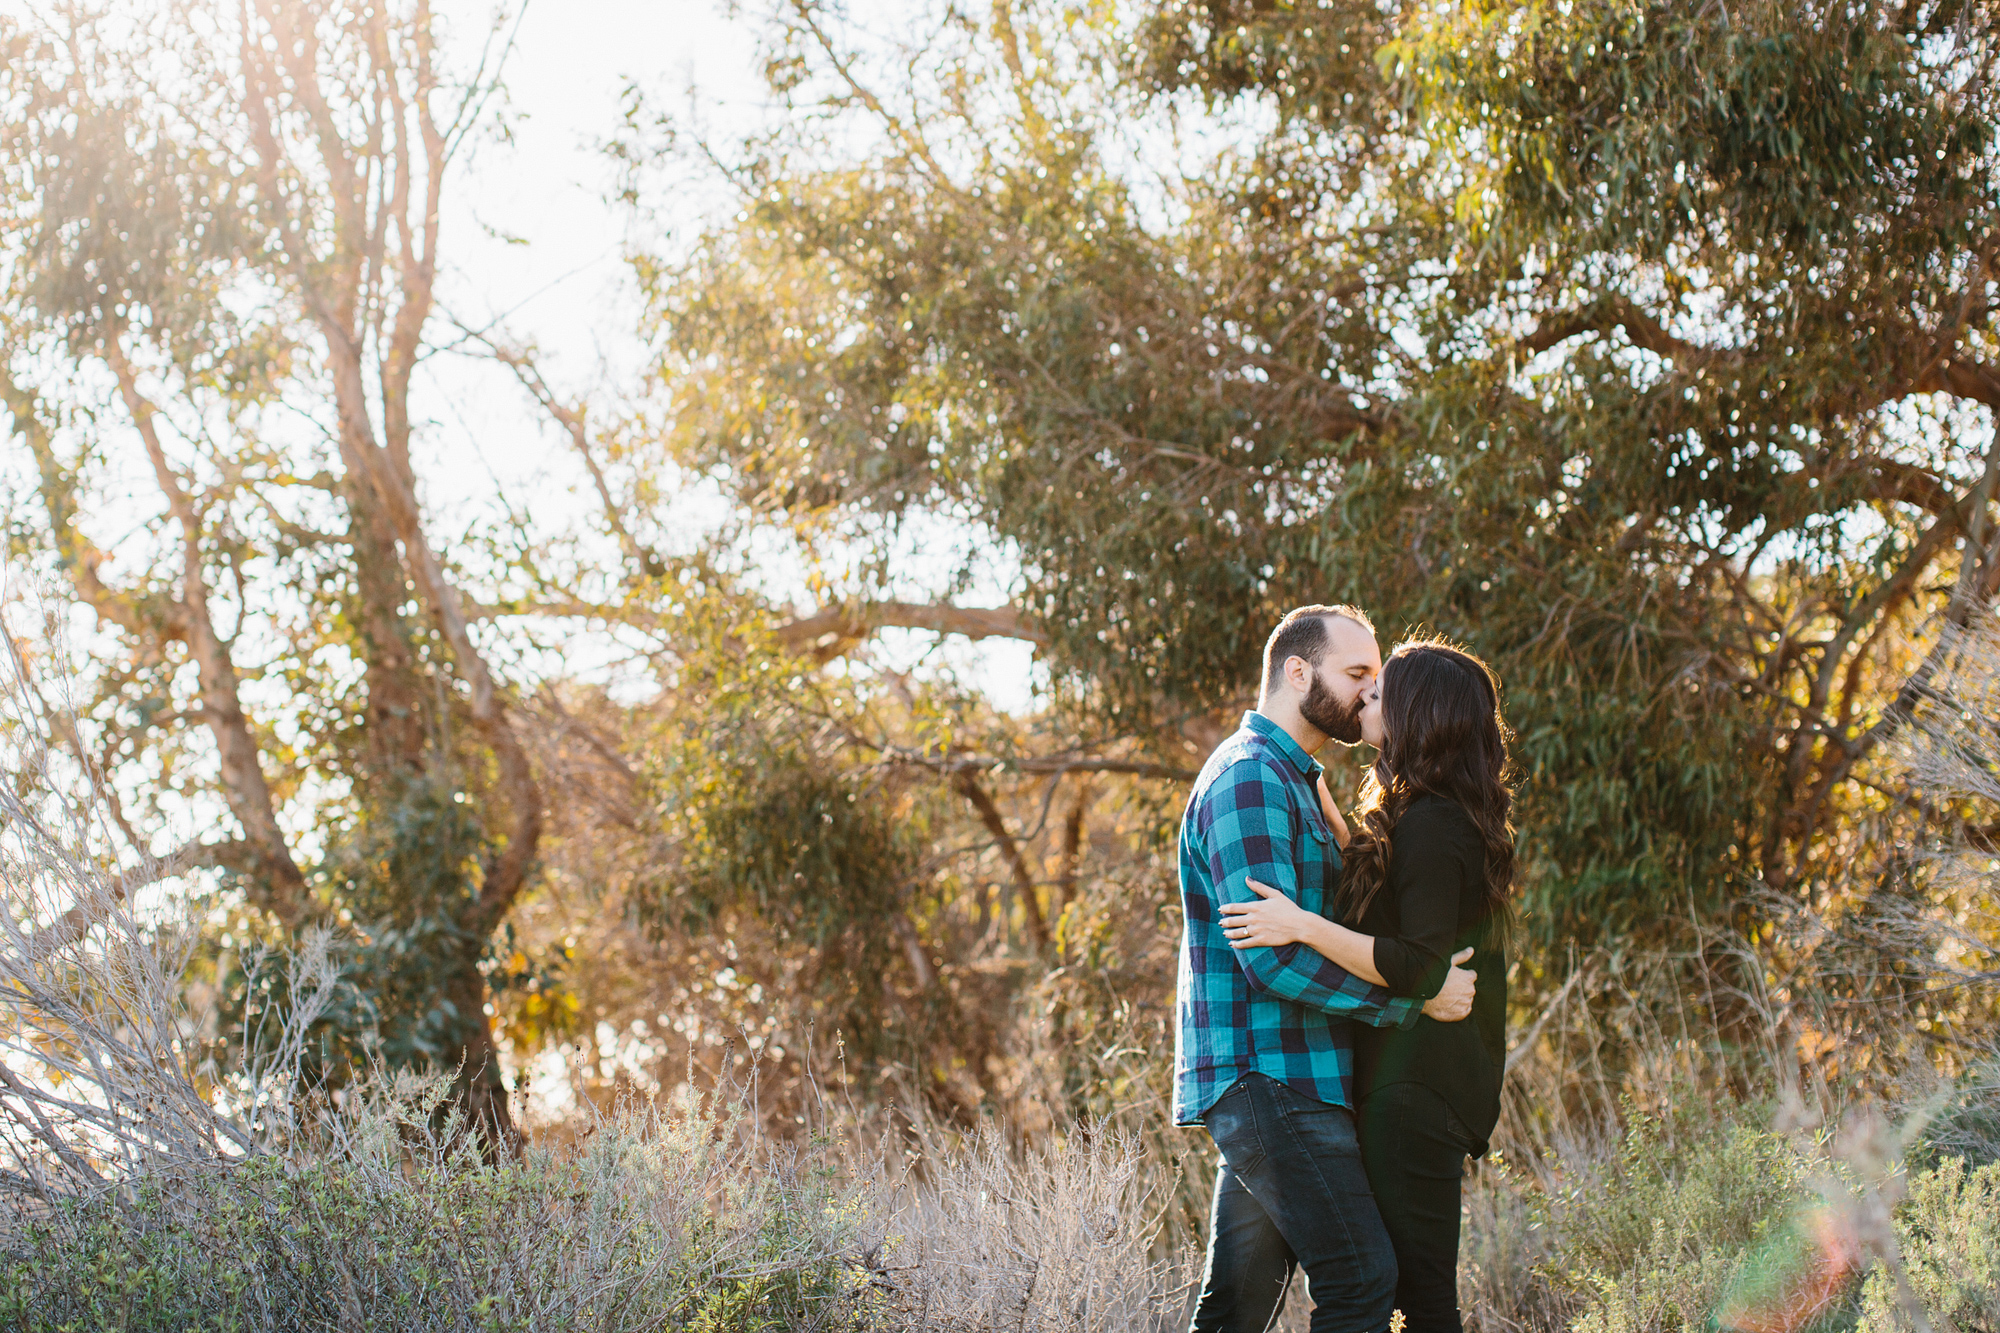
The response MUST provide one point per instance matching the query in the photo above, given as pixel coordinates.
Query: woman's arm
(1435, 846)
(1275, 919)
(1278, 920)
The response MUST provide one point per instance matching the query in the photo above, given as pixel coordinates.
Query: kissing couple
(1341, 1001)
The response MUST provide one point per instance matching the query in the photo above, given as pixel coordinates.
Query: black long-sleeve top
(1434, 904)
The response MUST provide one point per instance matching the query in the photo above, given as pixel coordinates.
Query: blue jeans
(1291, 1192)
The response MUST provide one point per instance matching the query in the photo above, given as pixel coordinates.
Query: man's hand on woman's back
(1454, 1000)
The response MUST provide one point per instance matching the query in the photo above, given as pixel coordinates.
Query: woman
(1430, 872)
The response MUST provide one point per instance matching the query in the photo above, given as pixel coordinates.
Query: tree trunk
(480, 1087)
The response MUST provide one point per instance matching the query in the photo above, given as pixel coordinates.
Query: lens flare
(1792, 1280)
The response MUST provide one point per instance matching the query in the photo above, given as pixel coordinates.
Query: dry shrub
(103, 1080)
(1060, 1238)
(383, 1216)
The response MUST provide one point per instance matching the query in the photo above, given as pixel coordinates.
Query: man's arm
(1249, 825)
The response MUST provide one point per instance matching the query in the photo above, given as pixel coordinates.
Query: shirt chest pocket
(1318, 833)
(1305, 802)
(1319, 861)
(1313, 855)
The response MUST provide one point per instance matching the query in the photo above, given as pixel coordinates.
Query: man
(1263, 1056)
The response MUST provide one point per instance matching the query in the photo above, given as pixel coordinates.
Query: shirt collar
(1282, 742)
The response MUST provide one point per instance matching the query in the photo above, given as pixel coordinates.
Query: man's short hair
(1303, 633)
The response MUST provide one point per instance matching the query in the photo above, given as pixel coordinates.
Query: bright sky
(532, 235)
(534, 238)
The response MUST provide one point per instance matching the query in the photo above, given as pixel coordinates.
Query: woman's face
(1371, 714)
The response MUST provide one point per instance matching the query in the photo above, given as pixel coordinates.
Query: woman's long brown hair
(1443, 736)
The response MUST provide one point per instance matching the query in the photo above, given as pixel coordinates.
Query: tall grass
(380, 1221)
(1789, 1133)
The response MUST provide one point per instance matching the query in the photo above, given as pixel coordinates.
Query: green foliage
(646, 1227)
(1793, 139)
(744, 780)
(1542, 326)
(1665, 1234)
(1700, 1179)
(406, 876)
(761, 821)
(1950, 1238)
(1184, 430)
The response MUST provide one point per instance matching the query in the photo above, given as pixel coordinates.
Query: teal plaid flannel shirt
(1279, 1012)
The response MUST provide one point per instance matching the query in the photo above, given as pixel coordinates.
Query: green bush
(647, 1226)
(1949, 1234)
(1658, 1238)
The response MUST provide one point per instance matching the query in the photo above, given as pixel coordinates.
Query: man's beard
(1325, 710)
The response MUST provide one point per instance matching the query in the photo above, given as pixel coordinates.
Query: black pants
(1291, 1191)
(1415, 1150)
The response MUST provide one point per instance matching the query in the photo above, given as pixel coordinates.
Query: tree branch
(74, 924)
(381, 466)
(1893, 480)
(911, 140)
(1978, 567)
(1891, 590)
(571, 419)
(913, 949)
(566, 608)
(950, 765)
(1963, 378)
(279, 886)
(1617, 313)
(968, 784)
(828, 634)
(163, 620)
(507, 870)
(1072, 846)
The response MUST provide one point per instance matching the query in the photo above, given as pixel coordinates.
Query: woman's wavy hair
(1443, 735)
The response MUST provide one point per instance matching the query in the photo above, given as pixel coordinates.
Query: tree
(222, 247)
(1642, 347)
(1760, 249)
(833, 877)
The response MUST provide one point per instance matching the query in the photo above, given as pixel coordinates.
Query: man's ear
(1298, 674)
